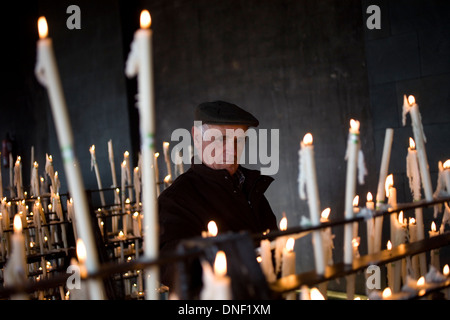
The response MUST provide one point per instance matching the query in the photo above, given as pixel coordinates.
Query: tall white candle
(413, 174)
(94, 165)
(370, 225)
(350, 187)
(35, 189)
(11, 176)
(49, 170)
(155, 166)
(410, 106)
(137, 184)
(308, 167)
(380, 197)
(434, 254)
(446, 174)
(288, 264)
(140, 61)
(47, 74)
(112, 164)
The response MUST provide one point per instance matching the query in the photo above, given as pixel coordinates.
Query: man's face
(220, 145)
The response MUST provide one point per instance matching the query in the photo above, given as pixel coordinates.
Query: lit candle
(212, 230)
(47, 74)
(350, 187)
(137, 184)
(266, 261)
(380, 197)
(280, 243)
(434, 254)
(129, 182)
(140, 61)
(308, 173)
(123, 180)
(390, 274)
(410, 106)
(391, 194)
(167, 158)
(446, 174)
(15, 273)
(288, 264)
(18, 182)
(94, 165)
(155, 166)
(370, 225)
(327, 237)
(35, 190)
(216, 285)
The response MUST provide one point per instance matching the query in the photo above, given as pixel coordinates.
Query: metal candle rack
(198, 248)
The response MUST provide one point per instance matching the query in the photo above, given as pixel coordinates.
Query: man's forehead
(228, 129)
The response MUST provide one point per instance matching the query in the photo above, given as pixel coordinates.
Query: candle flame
(316, 295)
(136, 169)
(356, 201)
(412, 221)
(308, 139)
(354, 124)
(369, 197)
(447, 164)
(17, 224)
(412, 144)
(81, 251)
(92, 149)
(389, 245)
(387, 293)
(421, 281)
(325, 213)
(165, 145)
(220, 264)
(126, 154)
(156, 155)
(411, 100)
(355, 242)
(167, 178)
(433, 226)
(35, 164)
(283, 224)
(389, 183)
(42, 28)
(446, 270)
(400, 217)
(212, 228)
(146, 19)
(290, 244)
(124, 163)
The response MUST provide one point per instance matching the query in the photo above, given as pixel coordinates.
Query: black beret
(221, 112)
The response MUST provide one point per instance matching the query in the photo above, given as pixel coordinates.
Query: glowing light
(354, 125)
(212, 228)
(412, 144)
(411, 100)
(146, 19)
(42, 28)
(387, 293)
(316, 295)
(308, 139)
(283, 224)
(446, 270)
(81, 251)
(389, 245)
(325, 213)
(447, 164)
(356, 201)
(389, 183)
(433, 226)
(290, 244)
(220, 264)
(369, 197)
(17, 224)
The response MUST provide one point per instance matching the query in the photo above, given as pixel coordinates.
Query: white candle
(137, 184)
(288, 264)
(113, 168)
(409, 105)
(167, 158)
(266, 261)
(35, 189)
(413, 174)
(434, 254)
(49, 170)
(350, 187)
(18, 182)
(370, 225)
(155, 167)
(446, 174)
(280, 243)
(217, 285)
(391, 193)
(47, 74)
(327, 237)
(140, 61)
(129, 180)
(15, 273)
(308, 168)
(94, 165)
(380, 197)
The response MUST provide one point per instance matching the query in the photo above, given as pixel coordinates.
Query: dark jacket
(203, 194)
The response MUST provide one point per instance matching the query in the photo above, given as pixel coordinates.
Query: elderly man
(216, 187)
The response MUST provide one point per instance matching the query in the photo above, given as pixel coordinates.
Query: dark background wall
(299, 66)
